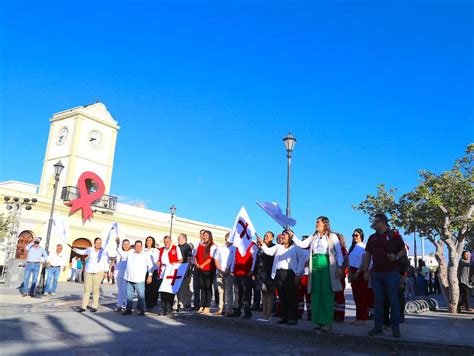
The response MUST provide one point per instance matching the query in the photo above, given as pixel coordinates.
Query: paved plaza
(51, 326)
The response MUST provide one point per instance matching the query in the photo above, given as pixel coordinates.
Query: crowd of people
(283, 276)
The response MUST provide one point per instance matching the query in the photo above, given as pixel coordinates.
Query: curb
(353, 342)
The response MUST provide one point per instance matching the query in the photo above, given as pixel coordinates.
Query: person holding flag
(96, 263)
(169, 255)
(205, 264)
(244, 262)
(287, 269)
(119, 271)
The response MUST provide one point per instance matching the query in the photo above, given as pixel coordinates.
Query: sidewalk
(426, 333)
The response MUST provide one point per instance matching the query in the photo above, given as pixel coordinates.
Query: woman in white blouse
(324, 272)
(360, 289)
(151, 290)
(288, 267)
(97, 263)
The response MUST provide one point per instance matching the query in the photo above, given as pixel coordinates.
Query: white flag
(243, 231)
(173, 276)
(59, 228)
(274, 210)
(113, 233)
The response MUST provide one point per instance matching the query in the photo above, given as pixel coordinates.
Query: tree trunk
(453, 276)
(443, 270)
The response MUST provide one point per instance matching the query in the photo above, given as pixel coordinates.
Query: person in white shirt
(359, 284)
(287, 269)
(225, 280)
(138, 264)
(55, 261)
(324, 272)
(151, 290)
(119, 273)
(96, 264)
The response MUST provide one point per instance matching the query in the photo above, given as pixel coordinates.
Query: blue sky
(205, 91)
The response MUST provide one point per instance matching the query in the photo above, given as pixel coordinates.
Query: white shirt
(319, 245)
(138, 264)
(93, 264)
(121, 263)
(154, 254)
(285, 258)
(225, 256)
(56, 260)
(356, 255)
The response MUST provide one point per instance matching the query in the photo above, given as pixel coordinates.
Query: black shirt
(186, 251)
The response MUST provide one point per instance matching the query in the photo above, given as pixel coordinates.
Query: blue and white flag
(113, 233)
(60, 229)
(274, 210)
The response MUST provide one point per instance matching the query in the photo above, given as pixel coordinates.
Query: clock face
(62, 135)
(95, 139)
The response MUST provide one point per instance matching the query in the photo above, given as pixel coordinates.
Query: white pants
(122, 292)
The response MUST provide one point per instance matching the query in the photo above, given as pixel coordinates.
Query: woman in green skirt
(324, 272)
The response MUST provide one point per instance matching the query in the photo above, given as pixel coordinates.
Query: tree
(441, 209)
(4, 227)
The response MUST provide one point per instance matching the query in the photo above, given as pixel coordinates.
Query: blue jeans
(30, 269)
(52, 274)
(138, 288)
(386, 283)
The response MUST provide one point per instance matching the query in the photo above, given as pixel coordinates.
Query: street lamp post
(58, 168)
(289, 141)
(414, 247)
(172, 211)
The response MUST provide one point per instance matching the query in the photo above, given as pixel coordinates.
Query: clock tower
(83, 138)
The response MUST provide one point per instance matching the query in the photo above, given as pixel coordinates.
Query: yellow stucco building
(83, 139)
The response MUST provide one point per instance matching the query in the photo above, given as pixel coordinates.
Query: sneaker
(45, 294)
(53, 294)
(118, 309)
(24, 295)
(375, 332)
(81, 310)
(127, 312)
(396, 333)
(93, 310)
(142, 313)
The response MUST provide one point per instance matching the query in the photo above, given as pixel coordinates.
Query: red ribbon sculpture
(86, 198)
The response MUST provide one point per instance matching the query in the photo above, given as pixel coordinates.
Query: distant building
(84, 139)
(429, 260)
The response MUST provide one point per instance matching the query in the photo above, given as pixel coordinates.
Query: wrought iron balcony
(107, 202)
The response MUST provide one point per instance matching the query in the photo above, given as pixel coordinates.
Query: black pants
(257, 294)
(151, 291)
(167, 300)
(287, 291)
(206, 280)
(196, 288)
(465, 294)
(243, 287)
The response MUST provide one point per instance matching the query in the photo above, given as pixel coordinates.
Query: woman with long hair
(287, 269)
(151, 290)
(206, 267)
(360, 288)
(325, 271)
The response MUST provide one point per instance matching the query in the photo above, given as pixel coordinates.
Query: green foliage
(420, 208)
